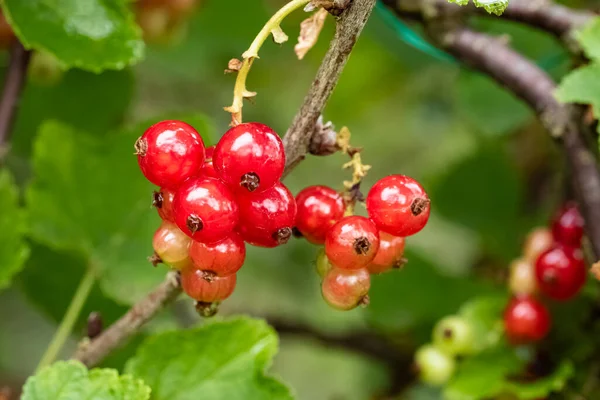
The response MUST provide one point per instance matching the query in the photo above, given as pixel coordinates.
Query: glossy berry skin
(195, 285)
(319, 207)
(223, 258)
(390, 254)
(352, 243)
(205, 210)
(435, 367)
(538, 241)
(344, 289)
(567, 226)
(267, 218)
(522, 280)
(526, 320)
(560, 272)
(170, 152)
(163, 202)
(398, 205)
(208, 168)
(323, 265)
(249, 158)
(172, 245)
(454, 335)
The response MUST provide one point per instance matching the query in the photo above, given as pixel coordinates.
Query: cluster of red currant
(213, 200)
(356, 246)
(553, 265)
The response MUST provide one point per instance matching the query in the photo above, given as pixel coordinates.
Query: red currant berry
(267, 218)
(163, 202)
(398, 205)
(205, 210)
(567, 226)
(389, 255)
(195, 284)
(319, 207)
(171, 245)
(526, 320)
(208, 169)
(208, 153)
(560, 272)
(522, 280)
(223, 258)
(344, 290)
(250, 157)
(352, 243)
(170, 152)
(538, 241)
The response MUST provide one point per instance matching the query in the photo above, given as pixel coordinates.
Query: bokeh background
(491, 171)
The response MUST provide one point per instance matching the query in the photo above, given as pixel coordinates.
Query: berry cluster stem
(271, 27)
(359, 170)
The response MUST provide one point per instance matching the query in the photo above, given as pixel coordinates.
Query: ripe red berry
(538, 241)
(250, 157)
(217, 288)
(223, 258)
(352, 243)
(526, 320)
(398, 205)
(171, 245)
(560, 272)
(389, 255)
(163, 202)
(170, 152)
(343, 289)
(205, 210)
(208, 153)
(208, 168)
(267, 218)
(567, 226)
(319, 207)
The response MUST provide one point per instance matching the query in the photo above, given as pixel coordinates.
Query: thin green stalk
(66, 325)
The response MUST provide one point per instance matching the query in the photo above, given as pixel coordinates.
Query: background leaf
(589, 39)
(93, 35)
(70, 380)
(220, 360)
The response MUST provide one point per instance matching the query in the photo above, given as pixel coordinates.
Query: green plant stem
(66, 325)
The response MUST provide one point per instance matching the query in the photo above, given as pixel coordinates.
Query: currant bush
(319, 208)
(345, 289)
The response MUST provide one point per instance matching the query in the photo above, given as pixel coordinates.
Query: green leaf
(542, 387)
(70, 380)
(89, 196)
(220, 360)
(418, 295)
(589, 39)
(459, 2)
(93, 35)
(581, 86)
(13, 249)
(491, 6)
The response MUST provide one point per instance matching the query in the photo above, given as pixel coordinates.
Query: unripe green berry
(435, 367)
(454, 335)
(322, 263)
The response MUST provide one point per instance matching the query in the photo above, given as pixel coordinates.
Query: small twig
(13, 85)
(349, 26)
(92, 352)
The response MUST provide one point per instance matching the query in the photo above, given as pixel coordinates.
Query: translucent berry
(170, 152)
(560, 272)
(223, 258)
(322, 263)
(171, 245)
(250, 157)
(567, 226)
(526, 320)
(522, 280)
(390, 254)
(217, 288)
(538, 241)
(319, 207)
(398, 205)
(345, 289)
(454, 335)
(435, 367)
(352, 243)
(163, 202)
(267, 218)
(205, 210)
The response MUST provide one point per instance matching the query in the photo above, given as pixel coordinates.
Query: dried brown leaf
(310, 29)
(234, 65)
